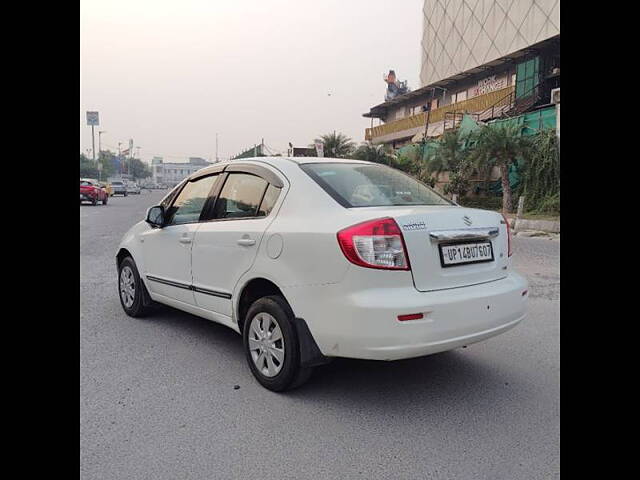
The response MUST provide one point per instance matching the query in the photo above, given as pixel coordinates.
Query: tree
(450, 154)
(88, 168)
(108, 161)
(137, 168)
(500, 146)
(374, 153)
(336, 145)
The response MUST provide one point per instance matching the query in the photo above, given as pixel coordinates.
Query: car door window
(189, 202)
(240, 196)
(269, 200)
(166, 201)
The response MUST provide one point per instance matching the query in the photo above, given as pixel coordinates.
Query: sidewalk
(530, 227)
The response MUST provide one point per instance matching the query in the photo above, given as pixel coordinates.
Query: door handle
(246, 242)
(185, 240)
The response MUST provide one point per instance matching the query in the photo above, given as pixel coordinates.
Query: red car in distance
(90, 191)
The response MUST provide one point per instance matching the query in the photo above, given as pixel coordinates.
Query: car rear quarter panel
(300, 246)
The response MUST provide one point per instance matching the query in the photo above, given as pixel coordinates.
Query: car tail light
(375, 244)
(506, 220)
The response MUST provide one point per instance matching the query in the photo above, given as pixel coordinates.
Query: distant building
(478, 58)
(173, 173)
(198, 161)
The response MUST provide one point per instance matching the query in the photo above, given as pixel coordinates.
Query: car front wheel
(131, 289)
(271, 345)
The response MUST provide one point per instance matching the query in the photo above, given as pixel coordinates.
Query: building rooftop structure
(488, 58)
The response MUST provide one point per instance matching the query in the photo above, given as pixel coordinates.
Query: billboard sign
(92, 119)
(319, 149)
(489, 84)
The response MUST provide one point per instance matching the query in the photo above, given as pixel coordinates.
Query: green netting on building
(422, 150)
(532, 122)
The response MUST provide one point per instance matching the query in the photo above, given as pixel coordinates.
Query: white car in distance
(133, 188)
(314, 258)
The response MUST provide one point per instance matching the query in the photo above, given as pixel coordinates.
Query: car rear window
(366, 185)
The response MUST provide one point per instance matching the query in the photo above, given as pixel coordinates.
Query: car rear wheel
(271, 345)
(131, 289)
(104, 201)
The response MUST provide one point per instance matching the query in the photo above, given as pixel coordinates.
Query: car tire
(267, 318)
(104, 201)
(94, 202)
(124, 194)
(131, 290)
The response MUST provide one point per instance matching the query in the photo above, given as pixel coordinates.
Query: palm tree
(336, 145)
(374, 153)
(500, 146)
(450, 154)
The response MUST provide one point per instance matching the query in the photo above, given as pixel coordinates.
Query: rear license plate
(464, 253)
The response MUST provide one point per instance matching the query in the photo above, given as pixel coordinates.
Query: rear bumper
(363, 323)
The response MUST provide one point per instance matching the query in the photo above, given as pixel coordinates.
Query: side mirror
(155, 216)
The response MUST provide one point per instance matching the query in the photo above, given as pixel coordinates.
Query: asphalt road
(157, 397)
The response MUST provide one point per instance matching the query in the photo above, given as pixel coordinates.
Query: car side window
(269, 200)
(166, 201)
(189, 203)
(240, 196)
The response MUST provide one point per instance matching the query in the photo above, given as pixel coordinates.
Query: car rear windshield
(366, 185)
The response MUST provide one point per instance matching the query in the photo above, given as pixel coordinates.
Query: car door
(226, 245)
(167, 250)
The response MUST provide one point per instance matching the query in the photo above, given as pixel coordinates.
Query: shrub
(541, 175)
(487, 203)
(549, 205)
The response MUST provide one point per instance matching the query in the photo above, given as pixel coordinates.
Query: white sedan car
(133, 188)
(314, 258)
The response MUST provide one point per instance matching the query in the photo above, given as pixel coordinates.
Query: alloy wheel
(127, 286)
(266, 344)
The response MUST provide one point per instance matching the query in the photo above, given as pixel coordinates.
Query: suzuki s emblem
(467, 220)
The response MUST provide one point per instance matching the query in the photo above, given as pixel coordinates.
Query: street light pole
(93, 143)
(100, 142)
(120, 157)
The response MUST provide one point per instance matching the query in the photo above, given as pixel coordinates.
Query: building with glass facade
(488, 58)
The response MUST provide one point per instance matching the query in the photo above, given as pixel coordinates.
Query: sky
(172, 74)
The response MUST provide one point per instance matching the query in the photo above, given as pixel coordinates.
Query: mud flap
(310, 354)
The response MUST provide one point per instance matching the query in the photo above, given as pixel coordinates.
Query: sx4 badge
(414, 226)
